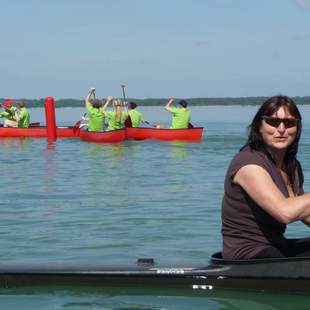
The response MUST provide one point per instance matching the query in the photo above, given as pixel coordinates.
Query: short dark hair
(20, 103)
(96, 103)
(132, 105)
(183, 103)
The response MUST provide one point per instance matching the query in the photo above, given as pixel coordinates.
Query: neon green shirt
(113, 124)
(9, 114)
(5, 114)
(180, 118)
(24, 118)
(136, 118)
(96, 117)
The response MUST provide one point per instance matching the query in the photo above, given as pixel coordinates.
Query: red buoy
(50, 118)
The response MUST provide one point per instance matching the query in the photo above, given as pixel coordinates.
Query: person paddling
(181, 115)
(9, 114)
(95, 111)
(134, 115)
(23, 117)
(116, 118)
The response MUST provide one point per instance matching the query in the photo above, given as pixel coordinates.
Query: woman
(136, 117)
(181, 116)
(95, 111)
(116, 118)
(23, 115)
(9, 114)
(264, 187)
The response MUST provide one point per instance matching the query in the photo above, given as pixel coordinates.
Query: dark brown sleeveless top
(246, 228)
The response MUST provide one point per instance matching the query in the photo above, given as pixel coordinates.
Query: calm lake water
(77, 202)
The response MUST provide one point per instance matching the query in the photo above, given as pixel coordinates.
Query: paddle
(124, 97)
(123, 89)
(37, 124)
(78, 125)
(128, 122)
(152, 125)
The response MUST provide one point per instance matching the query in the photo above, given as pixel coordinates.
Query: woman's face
(279, 136)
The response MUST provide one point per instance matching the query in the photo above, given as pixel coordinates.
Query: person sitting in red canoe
(117, 118)
(135, 118)
(9, 114)
(181, 115)
(23, 116)
(95, 111)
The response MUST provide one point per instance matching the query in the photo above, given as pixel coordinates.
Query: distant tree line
(243, 101)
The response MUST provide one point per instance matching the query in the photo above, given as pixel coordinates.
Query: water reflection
(9, 144)
(259, 300)
(13, 152)
(114, 151)
(153, 298)
(50, 167)
(178, 150)
(50, 147)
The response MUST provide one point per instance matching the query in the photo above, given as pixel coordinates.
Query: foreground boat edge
(278, 275)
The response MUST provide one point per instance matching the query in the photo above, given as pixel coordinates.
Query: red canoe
(38, 132)
(104, 136)
(188, 134)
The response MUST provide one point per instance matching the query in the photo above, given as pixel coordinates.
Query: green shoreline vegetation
(241, 101)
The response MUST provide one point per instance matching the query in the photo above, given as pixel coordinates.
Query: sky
(158, 48)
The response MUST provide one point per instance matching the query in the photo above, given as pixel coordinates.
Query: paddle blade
(34, 124)
(128, 122)
(76, 126)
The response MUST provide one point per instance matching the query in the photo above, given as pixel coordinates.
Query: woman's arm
(306, 221)
(18, 116)
(13, 113)
(90, 92)
(106, 103)
(167, 106)
(259, 185)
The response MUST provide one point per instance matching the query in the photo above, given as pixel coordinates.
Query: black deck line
(291, 275)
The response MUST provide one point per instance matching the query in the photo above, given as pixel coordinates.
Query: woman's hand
(90, 93)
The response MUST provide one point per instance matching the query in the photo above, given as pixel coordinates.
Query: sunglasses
(276, 121)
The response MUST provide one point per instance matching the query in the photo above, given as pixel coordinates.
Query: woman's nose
(281, 127)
